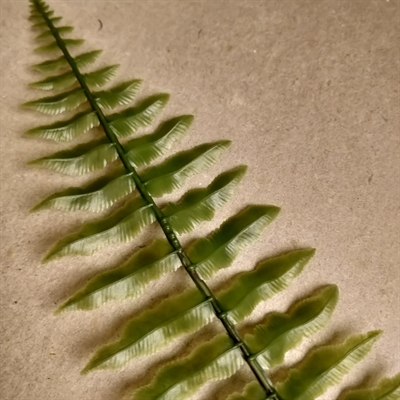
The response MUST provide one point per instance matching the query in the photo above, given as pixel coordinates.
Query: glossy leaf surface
(270, 277)
(223, 245)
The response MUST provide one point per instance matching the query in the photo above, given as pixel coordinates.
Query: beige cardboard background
(308, 91)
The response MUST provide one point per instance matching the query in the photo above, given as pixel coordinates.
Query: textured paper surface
(308, 91)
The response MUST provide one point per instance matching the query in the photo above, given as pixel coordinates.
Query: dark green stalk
(163, 222)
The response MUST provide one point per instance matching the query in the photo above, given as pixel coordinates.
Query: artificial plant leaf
(54, 45)
(119, 95)
(154, 329)
(59, 82)
(101, 76)
(386, 389)
(43, 24)
(215, 360)
(220, 249)
(324, 367)
(252, 391)
(282, 332)
(121, 226)
(58, 104)
(65, 131)
(35, 16)
(81, 159)
(200, 204)
(82, 60)
(128, 280)
(143, 150)
(174, 172)
(62, 30)
(132, 119)
(269, 277)
(96, 197)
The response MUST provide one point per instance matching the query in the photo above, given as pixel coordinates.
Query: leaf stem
(163, 222)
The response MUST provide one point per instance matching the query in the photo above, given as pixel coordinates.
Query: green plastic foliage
(325, 367)
(62, 30)
(53, 46)
(154, 329)
(127, 281)
(223, 245)
(81, 159)
(282, 332)
(174, 172)
(215, 360)
(199, 205)
(270, 277)
(121, 226)
(145, 149)
(132, 119)
(81, 61)
(252, 391)
(65, 131)
(97, 197)
(386, 389)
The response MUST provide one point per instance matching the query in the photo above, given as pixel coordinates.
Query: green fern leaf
(129, 280)
(118, 96)
(121, 226)
(55, 105)
(252, 391)
(96, 197)
(269, 278)
(81, 61)
(200, 204)
(54, 45)
(131, 120)
(215, 360)
(40, 25)
(65, 131)
(154, 329)
(223, 245)
(174, 172)
(283, 332)
(386, 389)
(35, 16)
(60, 82)
(62, 30)
(324, 367)
(143, 150)
(80, 160)
(102, 76)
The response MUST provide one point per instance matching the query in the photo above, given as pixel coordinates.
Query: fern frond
(324, 367)
(96, 78)
(40, 25)
(156, 328)
(215, 360)
(81, 159)
(200, 204)
(174, 172)
(53, 46)
(121, 226)
(65, 131)
(96, 197)
(129, 280)
(35, 16)
(102, 76)
(220, 249)
(386, 389)
(143, 150)
(252, 391)
(81, 61)
(283, 332)
(58, 104)
(62, 30)
(118, 96)
(132, 119)
(269, 278)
